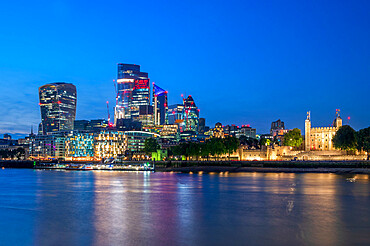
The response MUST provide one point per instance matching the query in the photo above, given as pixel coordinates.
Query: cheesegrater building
(58, 106)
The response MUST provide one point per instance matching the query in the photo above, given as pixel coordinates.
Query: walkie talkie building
(58, 106)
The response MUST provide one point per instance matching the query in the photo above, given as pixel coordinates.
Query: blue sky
(244, 62)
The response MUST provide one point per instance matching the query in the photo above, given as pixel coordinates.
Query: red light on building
(141, 84)
(248, 125)
(349, 118)
(59, 102)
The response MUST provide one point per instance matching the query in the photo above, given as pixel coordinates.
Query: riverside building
(320, 138)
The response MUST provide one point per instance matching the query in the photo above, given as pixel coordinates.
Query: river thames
(46, 207)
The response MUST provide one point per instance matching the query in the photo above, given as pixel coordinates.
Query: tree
(363, 140)
(293, 138)
(243, 140)
(193, 149)
(250, 142)
(178, 150)
(151, 145)
(345, 138)
(265, 141)
(231, 144)
(204, 150)
(216, 146)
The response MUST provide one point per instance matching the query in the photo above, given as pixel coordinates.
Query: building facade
(50, 146)
(110, 144)
(58, 106)
(160, 105)
(320, 138)
(79, 145)
(191, 115)
(276, 126)
(136, 140)
(218, 131)
(175, 113)
(133, 91)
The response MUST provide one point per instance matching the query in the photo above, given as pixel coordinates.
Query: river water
(48, 207)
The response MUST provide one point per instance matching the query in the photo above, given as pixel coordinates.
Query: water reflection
(136, 208)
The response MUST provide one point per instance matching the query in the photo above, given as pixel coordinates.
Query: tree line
(348, 139)
(18, 154)
(212, 147)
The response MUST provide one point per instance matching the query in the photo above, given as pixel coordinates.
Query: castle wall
(321, 138)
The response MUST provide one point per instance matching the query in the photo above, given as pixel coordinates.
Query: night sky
(244, 62)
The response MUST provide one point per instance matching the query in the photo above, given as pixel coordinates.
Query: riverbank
(339, 167)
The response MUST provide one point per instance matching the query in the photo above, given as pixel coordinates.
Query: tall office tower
(175, 113)
(58, 106)
(202, 125)
(160, 105)
(133, 91)
(191, 115)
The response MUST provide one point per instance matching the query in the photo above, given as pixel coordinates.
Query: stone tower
(307, 132)
(338, 120)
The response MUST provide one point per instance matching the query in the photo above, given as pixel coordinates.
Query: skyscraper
(191, 114)
(133, 91)
(175, 113)
(160, 105)
(58, 106)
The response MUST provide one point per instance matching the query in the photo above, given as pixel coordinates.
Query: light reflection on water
(136, 208)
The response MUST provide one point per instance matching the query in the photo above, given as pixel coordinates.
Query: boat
(79, 167)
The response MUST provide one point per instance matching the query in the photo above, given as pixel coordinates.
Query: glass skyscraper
(58, 106)
(175, 113)
(191, 114)
(160, 105)
(133, 91)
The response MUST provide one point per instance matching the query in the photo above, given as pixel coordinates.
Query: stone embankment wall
(286, 153)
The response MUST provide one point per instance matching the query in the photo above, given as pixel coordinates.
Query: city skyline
(250, 72)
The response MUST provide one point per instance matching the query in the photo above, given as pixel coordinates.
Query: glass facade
(174, 113)
(133, 90)
(160, 105)
(80, 144)
(136, 140)
(191, 115)
(58, 106)
(47, 146)
(110, 144)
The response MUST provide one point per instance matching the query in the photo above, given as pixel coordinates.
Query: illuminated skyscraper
(58, 106)
(133, 91)
(191, 115)
(160, 105)
(175, 113)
